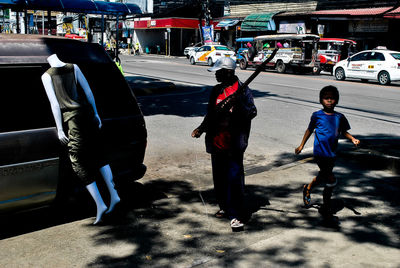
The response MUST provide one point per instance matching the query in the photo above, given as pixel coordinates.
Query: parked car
(299, 53)
(34, 167)
(333, 50)
(377, 64)
(187, 50)
(210, 54)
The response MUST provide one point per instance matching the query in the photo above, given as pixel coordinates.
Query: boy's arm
(351, 138)
(306, 136)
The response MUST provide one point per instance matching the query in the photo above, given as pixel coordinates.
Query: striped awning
(259, 22)
(227, 23)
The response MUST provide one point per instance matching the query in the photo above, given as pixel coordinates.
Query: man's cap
(223, 63)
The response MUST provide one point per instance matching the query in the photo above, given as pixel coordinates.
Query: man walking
(227, 130)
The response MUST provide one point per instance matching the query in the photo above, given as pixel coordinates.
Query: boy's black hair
(329, 89)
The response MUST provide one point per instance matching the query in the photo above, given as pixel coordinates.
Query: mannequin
(77, 110)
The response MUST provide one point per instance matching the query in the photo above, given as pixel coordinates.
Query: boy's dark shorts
(325, 165)
(84, 147)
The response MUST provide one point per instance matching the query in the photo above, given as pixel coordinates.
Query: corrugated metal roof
(353, 12)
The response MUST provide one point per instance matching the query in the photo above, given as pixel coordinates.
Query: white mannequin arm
(88, 92)
(55, 107)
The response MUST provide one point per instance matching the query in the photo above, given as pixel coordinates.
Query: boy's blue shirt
(327, 130)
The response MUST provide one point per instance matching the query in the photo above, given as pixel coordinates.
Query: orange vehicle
(333, 50)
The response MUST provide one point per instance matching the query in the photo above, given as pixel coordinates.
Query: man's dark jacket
(239, 121)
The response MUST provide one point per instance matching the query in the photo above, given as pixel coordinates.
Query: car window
(360, 56)
(222, 48)
(207, 48)
(376, 56)
(24, 101)
(395, 55)
(201, 49)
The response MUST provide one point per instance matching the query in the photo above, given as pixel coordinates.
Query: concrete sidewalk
(168, 221)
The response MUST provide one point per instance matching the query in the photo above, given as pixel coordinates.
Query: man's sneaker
(220, 214)
(236, 225)
(306, 196)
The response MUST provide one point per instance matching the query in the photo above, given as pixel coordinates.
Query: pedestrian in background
(227, 130)
(328, 125)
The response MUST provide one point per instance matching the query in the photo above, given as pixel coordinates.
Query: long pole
(220, 106)
(42, 22)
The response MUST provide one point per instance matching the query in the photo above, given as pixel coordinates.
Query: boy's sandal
(236, 224)
(306, 196)
(220, 214)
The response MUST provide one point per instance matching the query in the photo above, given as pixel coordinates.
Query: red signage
(181, 23)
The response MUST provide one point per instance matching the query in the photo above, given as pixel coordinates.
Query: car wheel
(280, 67)
(316, 70)
(210, 62)
(243, 64)
(192, 61)
(339, 74)
(187, 56)
(384, 78)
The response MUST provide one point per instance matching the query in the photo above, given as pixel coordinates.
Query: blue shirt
(327, 128)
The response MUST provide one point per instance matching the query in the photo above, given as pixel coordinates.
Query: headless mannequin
(105, 171)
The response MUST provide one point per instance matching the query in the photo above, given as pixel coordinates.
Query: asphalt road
(285, 103)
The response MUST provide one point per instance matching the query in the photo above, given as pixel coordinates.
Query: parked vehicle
(377, 64)
(297, 51)
(333, 50)
(241, 46)
(187, 50)
(34, 166)
(210, 54)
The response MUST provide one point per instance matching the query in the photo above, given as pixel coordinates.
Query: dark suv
(33, 164)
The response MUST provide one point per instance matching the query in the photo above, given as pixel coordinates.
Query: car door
(198, 53)
(376, 61)
(29, 147)
(357, 65)
(205, 54)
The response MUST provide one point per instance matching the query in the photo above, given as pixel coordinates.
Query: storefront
(167, 36)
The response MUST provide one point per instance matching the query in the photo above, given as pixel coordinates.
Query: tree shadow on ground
(181, 100)
(370, 196)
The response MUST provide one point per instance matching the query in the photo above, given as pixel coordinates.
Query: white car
(187, 50)
(210, 54)
(377, 64)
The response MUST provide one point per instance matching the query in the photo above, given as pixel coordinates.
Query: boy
(328, 125)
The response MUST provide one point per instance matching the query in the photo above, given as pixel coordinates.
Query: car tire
(210, 62)
(280, 67)
(192, 61)
(384, 78)
(339, 74)
(243, 64)
(316, 70)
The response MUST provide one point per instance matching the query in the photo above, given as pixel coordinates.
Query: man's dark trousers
(228, 176)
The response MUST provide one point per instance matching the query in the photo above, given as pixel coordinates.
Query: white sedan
(210, 54)
(377, 64)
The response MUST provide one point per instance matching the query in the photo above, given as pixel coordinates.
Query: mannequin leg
(101, 207)
(108, 178)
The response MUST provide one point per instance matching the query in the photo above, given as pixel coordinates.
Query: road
(284, 101)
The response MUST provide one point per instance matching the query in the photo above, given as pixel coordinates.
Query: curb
(374, 153)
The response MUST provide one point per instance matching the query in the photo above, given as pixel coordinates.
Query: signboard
(208, 34)
(298, 27)
(369, 26)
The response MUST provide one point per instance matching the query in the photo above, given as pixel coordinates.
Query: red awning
(354, 12)
(394, 14)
